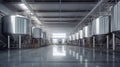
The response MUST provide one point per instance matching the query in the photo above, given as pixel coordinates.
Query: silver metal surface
(113, 42)
(91, 12)
(83, 42)
(70, 37)
(19, 41)
(100, 25)
(107, 42)
(81, 34)
(36, 32)
(44, 35)
(14, 24)
(87, 31)
(115, 24)
(93, 41)
(77, 36)
(8, 42)
(73, 37)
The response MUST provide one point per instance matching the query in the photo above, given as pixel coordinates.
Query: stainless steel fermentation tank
(45, 40)
(101, 25)
(37, 34)
(87, 31)
(115, 24)
(87, 36)
(100, 28)
(15, 26)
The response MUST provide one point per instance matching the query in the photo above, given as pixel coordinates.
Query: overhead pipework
(101, 2)
(27, 7)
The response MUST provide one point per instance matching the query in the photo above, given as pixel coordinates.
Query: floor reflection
(95, 58)
(59, 51)
(59, 56)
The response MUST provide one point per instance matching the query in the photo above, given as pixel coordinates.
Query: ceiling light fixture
(36, 19)
(23, 6)
(27, 7)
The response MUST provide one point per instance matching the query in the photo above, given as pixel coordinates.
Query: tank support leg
(113, 42)
(19, 41)
(8, 42)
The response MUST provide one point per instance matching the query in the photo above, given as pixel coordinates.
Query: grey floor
(58, 56)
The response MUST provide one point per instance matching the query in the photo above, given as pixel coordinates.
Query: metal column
(113, 42)
(19, 41)
(79, 42)
(8, 42)
(83, 42)
(107, 42)
(93, 41)
(38, 42)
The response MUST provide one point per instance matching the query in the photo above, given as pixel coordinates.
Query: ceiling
(48, 11)
(53, 13)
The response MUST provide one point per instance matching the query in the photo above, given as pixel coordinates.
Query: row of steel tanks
(103, 32)
(21, 34)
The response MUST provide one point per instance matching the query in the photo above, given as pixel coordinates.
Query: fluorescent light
(59, 35)
(36, 19)
(23, 6)
(59, 51)
(28, 11)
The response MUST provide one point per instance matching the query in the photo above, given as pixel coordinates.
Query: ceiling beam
(96, 7)
(61, 16)
(60, 20)
(61, 10)
(92, 3)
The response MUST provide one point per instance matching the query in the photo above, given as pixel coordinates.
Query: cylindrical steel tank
(70, 37)
(73, 37)
(77, 36)
(44, 35)
(115, 24)
(87, 31)
(81, 34)
(15, 24)
(36, 32)
(101, 25)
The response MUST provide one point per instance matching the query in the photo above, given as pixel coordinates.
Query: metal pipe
(95, 8)
(19, 41)
(83, 42)
(113, 42)
(8, 42)
(38, 42)
(107, 42)
(93, 41)
(79, 42)
(28, 6)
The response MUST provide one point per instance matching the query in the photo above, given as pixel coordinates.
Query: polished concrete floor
(58, 56)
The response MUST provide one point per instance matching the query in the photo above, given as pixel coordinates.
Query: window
(59, 35)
